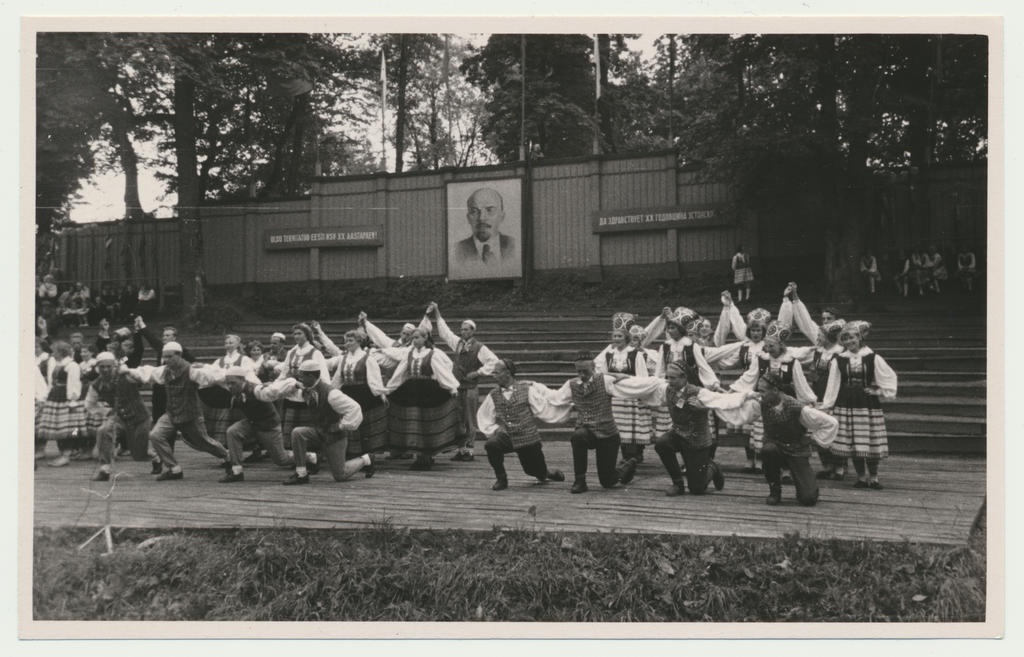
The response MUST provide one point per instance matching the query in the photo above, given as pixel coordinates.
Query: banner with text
(321, 237)
(661, 218)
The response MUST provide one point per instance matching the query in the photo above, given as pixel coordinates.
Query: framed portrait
(485, 229)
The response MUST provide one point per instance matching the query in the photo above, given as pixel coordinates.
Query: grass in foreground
(389, 574)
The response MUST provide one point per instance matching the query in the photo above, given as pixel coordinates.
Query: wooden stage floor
(927, 499)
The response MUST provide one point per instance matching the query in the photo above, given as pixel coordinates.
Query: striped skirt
(861, 434)
(743, 275)
(372, 435)
(633, 421)
(57, 420)
(422, 418)
(661, 421)
(756, 431)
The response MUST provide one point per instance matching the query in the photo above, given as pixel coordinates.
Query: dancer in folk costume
(260, 425)
(423, 415)
(619, 359)
(115, 398)
(266, 370)
(591, 394)
(184, 415)
(742, 274)
(508, 416)
(816, 361)
(357, 375)
(334, 417)
(61, 417)
(472, 359)
(858, 378)
(722, 355)
(639, 339)
(87, 436)
(774, 367)
(295, 412)
(790, 428)
(158, 399)
(217, 412)
(690, 434)
(389, 353)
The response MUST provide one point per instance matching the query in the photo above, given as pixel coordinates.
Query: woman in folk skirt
(216, 400)
(858, 378)
(295, 411)
(358, 375)
(620, 360)
(740, 354)
(422, 414)
(742, 274)
(61, 417)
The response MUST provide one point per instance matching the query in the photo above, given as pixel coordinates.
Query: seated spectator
(73, 309)
(966, 268)
(869, 270)
(935, 269)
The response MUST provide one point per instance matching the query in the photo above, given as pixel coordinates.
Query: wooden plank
(926, 499)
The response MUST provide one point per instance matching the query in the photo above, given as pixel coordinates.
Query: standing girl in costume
(742, 274)
(358, 375)
(61, 417)
(869, 270)
(620, 360)
(295, 411)
(858, 378)
(966, 268)
(423, 415)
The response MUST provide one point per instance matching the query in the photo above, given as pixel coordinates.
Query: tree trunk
(122, 121)
(292, 180)
(193, 289)
(840, 236)
(400, 111)
(274, 180)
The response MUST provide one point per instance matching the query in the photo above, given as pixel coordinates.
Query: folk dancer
(858, 378)
(472, 359)
(508, 416)
(333, 417)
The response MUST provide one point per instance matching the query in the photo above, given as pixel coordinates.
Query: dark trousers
(775, 458)
(607, 452)
(697, 461)
(192, 431)
(531, 457)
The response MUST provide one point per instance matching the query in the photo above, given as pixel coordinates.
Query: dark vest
(689, 422)
(358, 374)
(58, 385)
(421, 369)
(263, 415)
(217, 396)
(593, 407)
(182, 398)
(324, 418)
(515, 416)
(817, 373)
(295, 360)
(783, 428)
(783, 380)
(687, 361)
(122, 395)
(467, 359)
(630, 362)
(851, 392)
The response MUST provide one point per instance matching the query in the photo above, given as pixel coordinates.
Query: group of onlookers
(922, 271)
(73, 304)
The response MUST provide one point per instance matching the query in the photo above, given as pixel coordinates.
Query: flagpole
(383, 111)
(597, 97)
(522, 97)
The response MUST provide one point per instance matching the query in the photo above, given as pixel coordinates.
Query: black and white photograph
(512, 329)
(484, 230)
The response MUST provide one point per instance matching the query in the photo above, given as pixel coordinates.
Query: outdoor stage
(927, 499)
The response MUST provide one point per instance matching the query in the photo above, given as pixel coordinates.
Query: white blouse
(748, 380)
(620, 361)
(885, 377)
(440, 365)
